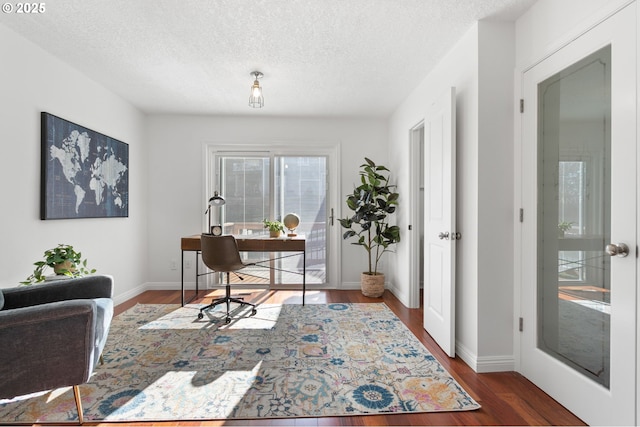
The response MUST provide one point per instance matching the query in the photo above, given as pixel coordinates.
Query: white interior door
(439, 221)
(579, 166)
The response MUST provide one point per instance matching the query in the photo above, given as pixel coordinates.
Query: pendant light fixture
(256, 100)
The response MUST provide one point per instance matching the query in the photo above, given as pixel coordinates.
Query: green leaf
(372, 201)
(348, 234)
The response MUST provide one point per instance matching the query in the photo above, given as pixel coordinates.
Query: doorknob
(444, 235)
(620, 249)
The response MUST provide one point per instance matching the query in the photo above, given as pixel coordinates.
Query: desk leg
(272, 271)
(182, 281)
(197, 274)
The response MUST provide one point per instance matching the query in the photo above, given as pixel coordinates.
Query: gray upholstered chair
(52, 334)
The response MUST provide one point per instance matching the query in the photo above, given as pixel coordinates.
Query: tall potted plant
(372, 203)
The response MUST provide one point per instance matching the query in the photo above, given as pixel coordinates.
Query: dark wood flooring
(507, 398)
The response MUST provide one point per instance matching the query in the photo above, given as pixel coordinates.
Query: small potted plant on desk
(275, 227)
(64, 261)
(372, 202)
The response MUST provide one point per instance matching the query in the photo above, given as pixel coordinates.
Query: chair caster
(254, 312)
(200, 316)
(227, 320)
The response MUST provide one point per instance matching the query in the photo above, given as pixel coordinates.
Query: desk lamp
(215, 202)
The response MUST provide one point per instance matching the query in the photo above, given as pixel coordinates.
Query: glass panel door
(574, 215)
(301, 188)
(264, 185)
(579, 157)
(245, 186)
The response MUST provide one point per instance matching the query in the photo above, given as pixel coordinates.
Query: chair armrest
(87, 287)
(46, 346)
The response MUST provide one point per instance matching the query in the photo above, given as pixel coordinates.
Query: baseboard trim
(120, 298)
(485, 364)
(350, 285)
(496, 364)
(176, 286)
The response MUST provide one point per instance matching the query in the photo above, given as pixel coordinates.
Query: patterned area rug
(162, 363)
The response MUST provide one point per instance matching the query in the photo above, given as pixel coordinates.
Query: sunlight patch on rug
(318, 360)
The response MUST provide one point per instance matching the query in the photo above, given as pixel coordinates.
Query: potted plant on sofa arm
(64, 260)
(372, 202)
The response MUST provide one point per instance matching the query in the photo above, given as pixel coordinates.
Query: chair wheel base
(227, 319)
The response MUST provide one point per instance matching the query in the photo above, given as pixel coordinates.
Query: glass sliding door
(246, 187)
(301, 188)
(267, 185)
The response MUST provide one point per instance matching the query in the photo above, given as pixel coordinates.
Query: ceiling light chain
(256, 100)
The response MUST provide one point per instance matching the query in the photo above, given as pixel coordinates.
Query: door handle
(444, 235)
(621, 250)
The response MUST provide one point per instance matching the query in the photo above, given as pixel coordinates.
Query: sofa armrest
(87, 287)
(46, 346)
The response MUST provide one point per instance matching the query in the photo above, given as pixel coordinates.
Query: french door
(579, 198)
(258, 185)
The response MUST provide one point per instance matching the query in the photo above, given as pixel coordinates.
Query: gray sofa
(52, 334)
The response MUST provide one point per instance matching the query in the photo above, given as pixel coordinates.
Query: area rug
(318, 360)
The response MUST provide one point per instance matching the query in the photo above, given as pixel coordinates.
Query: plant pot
(274, 233)
(64, 267)
(372, 284)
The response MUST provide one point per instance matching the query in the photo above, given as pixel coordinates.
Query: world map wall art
(85, 174)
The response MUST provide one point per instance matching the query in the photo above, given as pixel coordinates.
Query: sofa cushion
(1, 300)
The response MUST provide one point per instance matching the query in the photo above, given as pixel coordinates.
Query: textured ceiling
(319, 57)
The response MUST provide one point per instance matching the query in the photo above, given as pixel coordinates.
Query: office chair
(220, 253)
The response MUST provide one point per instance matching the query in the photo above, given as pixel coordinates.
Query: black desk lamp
(215, 202)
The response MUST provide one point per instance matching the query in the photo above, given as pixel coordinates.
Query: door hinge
(521, 215)
(522, 105)
(521, 324)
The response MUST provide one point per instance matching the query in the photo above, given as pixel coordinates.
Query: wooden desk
(250, 243)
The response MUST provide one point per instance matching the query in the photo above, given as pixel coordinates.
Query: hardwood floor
(507, 398)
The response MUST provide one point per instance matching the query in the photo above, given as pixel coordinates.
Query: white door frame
(416, 219)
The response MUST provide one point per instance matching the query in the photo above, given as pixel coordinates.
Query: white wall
(458, 68)
(480, 66)
(176, 196)
(496, 213)
(32, 81)
(550, 24)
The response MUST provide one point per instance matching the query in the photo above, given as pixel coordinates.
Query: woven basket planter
(66, 265)
(372, 285)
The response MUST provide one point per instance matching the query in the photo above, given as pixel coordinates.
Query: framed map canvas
(85, 174)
